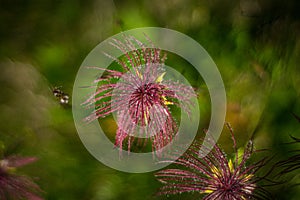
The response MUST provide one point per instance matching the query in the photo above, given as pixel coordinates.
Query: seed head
(215, 176)
(140, 95)
(13, 186)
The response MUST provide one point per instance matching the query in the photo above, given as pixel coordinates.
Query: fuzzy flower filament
(140, 96)
(214, 176)
(13, 186)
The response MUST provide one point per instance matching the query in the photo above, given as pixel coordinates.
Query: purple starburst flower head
(13, 186)
(214, 176)
(140, 95)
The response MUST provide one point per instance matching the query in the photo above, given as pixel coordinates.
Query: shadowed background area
(255, 45)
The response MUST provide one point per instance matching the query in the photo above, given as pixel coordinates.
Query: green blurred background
(255, 44)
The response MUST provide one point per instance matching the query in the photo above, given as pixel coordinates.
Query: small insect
(60, 95)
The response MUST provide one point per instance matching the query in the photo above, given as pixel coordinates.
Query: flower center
(142, 100)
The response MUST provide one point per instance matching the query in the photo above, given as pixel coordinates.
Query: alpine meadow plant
(292, 163)
(13, 186)
(140, 95)
(215, 176)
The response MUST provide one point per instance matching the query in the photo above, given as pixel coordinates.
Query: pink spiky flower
(214, 176)
(139, 95)
(13, 186)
